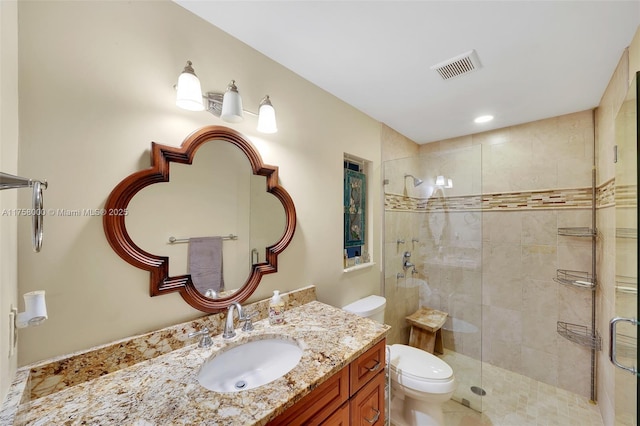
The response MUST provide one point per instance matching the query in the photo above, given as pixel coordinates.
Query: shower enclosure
(484, 232)
(433, 220)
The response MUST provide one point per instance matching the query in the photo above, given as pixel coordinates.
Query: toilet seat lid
(419, 364)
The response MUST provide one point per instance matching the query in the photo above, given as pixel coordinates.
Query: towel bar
(174, 240)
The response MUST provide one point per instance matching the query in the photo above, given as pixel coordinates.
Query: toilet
(420, 382)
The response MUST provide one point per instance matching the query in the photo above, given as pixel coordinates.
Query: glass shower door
(623, 328)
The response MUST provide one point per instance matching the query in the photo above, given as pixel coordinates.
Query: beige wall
(610, 395)
(8, 164)
(95, 89)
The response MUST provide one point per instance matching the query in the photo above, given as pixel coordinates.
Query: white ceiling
(539, 58)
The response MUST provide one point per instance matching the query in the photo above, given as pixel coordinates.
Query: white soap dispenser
(276, 309)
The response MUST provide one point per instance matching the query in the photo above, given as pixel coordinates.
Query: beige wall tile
(540, 227)
(540, 365)
(539, 261)
(574, 364)
(539, 316)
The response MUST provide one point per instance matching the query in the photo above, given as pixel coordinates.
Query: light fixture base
(214, 103)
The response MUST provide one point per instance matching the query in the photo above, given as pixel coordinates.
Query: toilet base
(411, 412)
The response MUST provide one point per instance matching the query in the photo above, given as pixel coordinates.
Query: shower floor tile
(513, 399)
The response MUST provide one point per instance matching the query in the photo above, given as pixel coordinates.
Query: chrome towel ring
(37, 213)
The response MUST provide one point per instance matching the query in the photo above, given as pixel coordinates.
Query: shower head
(416, 181)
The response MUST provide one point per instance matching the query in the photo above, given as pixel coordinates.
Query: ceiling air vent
(460, 65)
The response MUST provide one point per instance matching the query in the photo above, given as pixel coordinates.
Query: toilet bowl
(420, 382)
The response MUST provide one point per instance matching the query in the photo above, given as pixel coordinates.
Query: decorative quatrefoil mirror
(225, 193)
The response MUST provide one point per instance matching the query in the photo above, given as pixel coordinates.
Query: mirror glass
(216, 196)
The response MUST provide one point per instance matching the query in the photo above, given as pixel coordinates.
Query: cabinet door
(339, 418)
(367, 406)
(316, 406)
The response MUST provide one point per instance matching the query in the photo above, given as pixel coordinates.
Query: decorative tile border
(626, 196)
(572, 198)
(606, 194)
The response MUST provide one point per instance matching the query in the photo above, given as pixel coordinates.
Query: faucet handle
(205, 341)
(248, 325)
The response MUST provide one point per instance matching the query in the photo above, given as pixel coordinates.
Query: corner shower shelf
(580, 334)
(575, 278)
(577, 232)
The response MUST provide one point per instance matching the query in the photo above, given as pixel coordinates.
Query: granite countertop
(165, 390)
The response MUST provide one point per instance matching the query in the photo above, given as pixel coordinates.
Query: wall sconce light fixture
(227, 106)
(189, 92)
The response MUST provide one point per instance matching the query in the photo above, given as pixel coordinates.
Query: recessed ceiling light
(483, 118)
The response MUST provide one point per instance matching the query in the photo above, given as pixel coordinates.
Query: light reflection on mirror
(217, 195)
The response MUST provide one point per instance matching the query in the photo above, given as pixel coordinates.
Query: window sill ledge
(357, 267)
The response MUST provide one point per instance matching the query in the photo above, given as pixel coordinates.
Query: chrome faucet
(229, 332)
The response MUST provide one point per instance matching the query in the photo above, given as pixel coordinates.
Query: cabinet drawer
(367, 366)
(367, 406)
(320, 403)
(339, 418)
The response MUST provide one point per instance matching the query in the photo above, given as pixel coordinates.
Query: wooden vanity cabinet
(318, 405)
(366, 407)
(353, 396)
(340, 417)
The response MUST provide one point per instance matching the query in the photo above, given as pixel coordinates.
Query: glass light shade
(440, 181)
(449, 183)
(189, 93)
(267, 117)
(232, 105)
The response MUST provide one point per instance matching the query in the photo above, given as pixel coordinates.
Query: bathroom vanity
(340, 375)
(354, 395)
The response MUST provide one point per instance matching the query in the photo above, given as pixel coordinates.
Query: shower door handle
(612, 343)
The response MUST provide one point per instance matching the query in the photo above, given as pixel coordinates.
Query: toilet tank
(369, 307)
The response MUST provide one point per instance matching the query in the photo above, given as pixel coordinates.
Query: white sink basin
(249, 365)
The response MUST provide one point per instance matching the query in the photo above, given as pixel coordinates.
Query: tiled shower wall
(487, 249)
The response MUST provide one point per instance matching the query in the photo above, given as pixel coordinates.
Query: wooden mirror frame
(158, 266)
